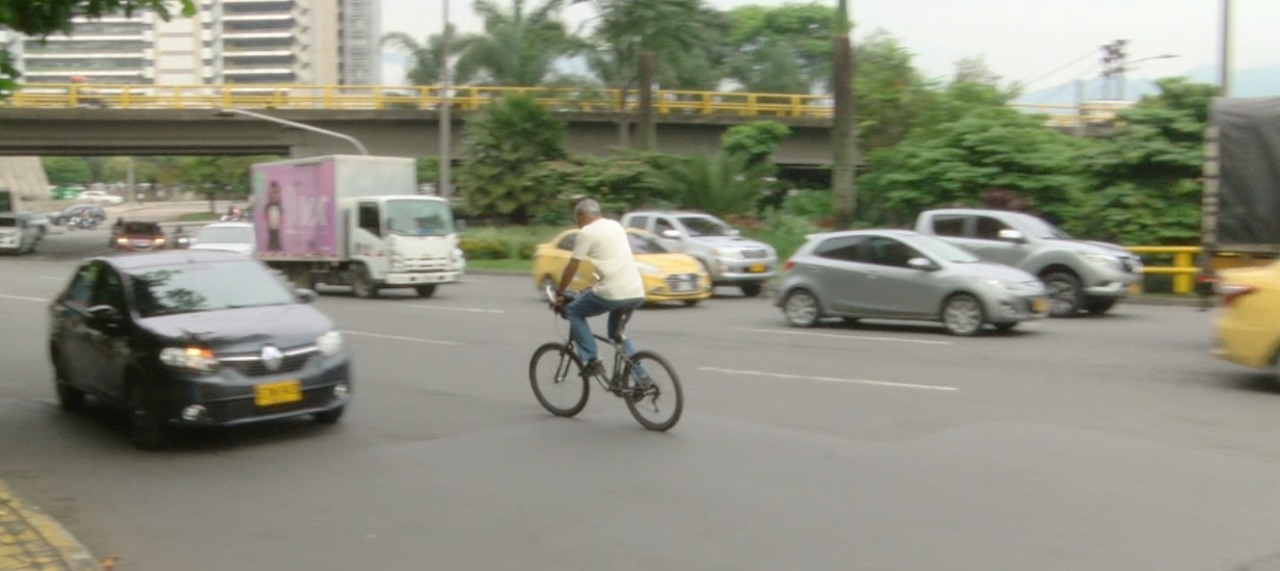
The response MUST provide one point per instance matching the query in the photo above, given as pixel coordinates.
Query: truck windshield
(705, 226)
(1037, 228)
(419, 217)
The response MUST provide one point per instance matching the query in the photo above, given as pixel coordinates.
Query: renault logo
(272, 358)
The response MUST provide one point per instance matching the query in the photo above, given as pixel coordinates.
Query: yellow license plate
(1135, 288)
(1038, 305)
(277, 393)
(756, 268)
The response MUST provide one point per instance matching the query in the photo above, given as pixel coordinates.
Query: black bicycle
(644, 380)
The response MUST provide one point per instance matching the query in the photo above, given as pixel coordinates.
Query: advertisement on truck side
(294, 210)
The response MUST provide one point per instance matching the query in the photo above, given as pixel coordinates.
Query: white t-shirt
(604, 243)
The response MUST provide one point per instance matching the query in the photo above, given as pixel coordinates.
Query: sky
(1039, 43)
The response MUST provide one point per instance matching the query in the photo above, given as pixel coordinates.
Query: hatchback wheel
(962, 315)
(802, 308)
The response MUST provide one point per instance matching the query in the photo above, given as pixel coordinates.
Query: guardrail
(466, 98)
(1183, 267)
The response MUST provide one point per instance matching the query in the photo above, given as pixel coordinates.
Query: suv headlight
(1102, 260)
(731, 253)
(330, 343)
(190, 358)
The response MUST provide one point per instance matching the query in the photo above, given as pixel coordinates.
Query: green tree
(720, 183)
(781, 49)
(504, 143)
(756, 140)
(221, 177)
(67, 170)
(620, 182)
(426, 59)
(1144, 183)
(519, 46)
(45, 17)
(891, 94)
(116, 169)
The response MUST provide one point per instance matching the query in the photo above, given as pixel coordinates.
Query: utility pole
(1224, 66)
(844, 129)
(446, 121)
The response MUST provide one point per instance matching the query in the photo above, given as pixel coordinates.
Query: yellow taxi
(668, 276)
(1248, 331)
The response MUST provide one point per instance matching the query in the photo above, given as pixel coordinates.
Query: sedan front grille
(682, 282)
(253, 365)
(757, 254)
(235, 409)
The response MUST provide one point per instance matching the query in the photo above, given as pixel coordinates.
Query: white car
(232, 236)
(101, 197)
(17, 234)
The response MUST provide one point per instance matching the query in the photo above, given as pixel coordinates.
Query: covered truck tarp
(1249, 171)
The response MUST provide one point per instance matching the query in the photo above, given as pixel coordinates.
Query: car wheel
(962, 315)
(331, 416)
(691, 302)
(146, 431)
(1099, 305)
(362, 283)
(751, 290)
(802, 308)
(426, 290)
(1004, 327)
(1065, 294)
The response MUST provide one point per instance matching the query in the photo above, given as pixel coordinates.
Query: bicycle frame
(622, 363)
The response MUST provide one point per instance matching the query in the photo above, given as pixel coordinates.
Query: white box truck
(353, 220)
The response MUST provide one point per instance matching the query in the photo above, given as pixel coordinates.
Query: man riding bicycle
(619, 290)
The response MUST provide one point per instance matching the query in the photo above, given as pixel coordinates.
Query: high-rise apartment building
(318, 42)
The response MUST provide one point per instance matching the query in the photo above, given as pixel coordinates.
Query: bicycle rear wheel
(555, 374)
(657, 406)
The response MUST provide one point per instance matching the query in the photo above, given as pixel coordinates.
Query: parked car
(17, 234)
(726, 256)
(900, 274)
(194, 339)
(232, 236)
(100, 197)
(1248, 330)
(667, 276)
(38, 221)
(63, 216)
(1081, 275)
(138, 236)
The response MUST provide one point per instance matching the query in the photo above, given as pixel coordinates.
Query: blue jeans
(588, 304)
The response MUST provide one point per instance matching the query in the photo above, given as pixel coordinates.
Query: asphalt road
(1090, 444)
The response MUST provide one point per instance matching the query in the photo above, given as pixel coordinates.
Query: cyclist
(619, 290)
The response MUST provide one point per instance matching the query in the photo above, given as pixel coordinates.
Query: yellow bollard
(1183, 282)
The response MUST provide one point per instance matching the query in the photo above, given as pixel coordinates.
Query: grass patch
(199, 217)
(514, 266)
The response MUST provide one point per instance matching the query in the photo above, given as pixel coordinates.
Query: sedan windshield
(705, 226)
(190, 288)
(942, 250)
(225, 235)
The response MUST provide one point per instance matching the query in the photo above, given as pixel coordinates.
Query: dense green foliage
(504, 144)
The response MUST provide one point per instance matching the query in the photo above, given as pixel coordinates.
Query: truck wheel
(751, 290)
(426, 290)
(1066, 296)
(362, 283)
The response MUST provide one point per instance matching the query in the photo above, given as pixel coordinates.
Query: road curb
(32, 540)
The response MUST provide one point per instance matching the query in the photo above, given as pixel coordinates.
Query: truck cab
(402, 242)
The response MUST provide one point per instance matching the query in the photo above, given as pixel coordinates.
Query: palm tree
(519, 47)
(427, 59)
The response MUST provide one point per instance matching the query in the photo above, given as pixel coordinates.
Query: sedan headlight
(1103, 260)
(1001, 284)
(648, 269)
(190, 358)
(732, 253)
(330, 343)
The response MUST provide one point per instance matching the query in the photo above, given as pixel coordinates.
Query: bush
(484, 248)
(786, 233)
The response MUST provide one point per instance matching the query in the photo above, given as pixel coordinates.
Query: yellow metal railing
(465, 98)
(1183, 268)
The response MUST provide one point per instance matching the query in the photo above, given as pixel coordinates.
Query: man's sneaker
(593, 369)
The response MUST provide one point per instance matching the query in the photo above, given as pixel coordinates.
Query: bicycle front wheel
(557, 381)
(654, 398)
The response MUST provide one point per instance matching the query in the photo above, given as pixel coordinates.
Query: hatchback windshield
(419, 218)
(644, 244)
(942, 250)
(190, 288)
(225, 235)
(705, 226)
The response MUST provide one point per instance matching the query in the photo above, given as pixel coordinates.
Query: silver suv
(729, 258)
(1080, 275)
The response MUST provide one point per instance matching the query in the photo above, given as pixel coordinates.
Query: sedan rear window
(190, 288)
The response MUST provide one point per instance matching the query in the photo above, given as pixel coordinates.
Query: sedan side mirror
(922, 264)
(1014, 236)
(105, 317)
(305, 295)
(672, 234)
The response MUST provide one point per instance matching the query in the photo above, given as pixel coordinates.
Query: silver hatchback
(900, 274)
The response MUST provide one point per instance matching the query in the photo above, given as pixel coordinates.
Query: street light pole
(232, 111)
(446, 121)
(1224, 66)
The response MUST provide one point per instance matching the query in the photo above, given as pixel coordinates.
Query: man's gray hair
(587, 206)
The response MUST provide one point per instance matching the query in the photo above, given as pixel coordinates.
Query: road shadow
(1254, 382)
(829, 325)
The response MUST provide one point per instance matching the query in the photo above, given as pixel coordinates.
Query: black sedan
(65, 215)
(190, 337)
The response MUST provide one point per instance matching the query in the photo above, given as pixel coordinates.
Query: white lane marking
(399, 338)
(855, 337)
(828, 379)
(23, 298)
(467, 309)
